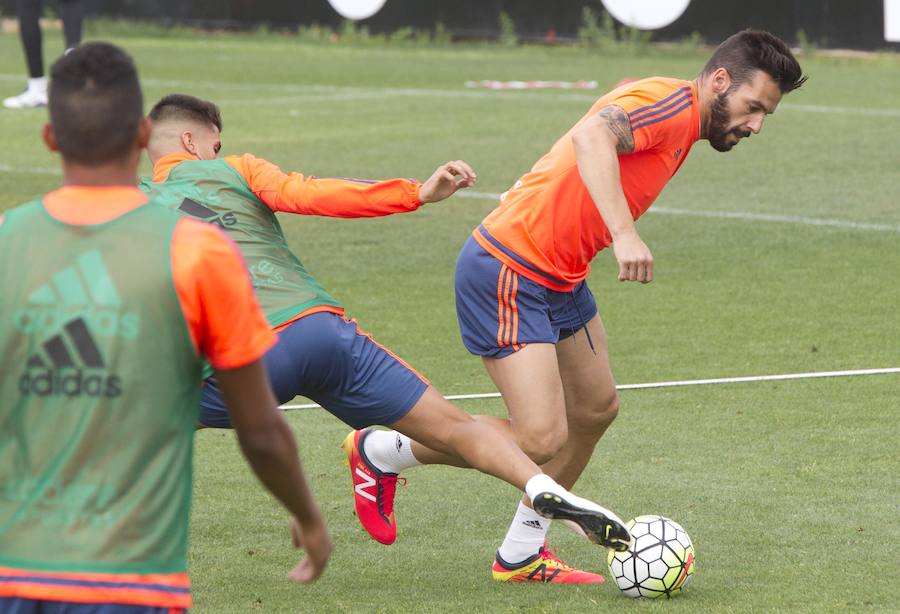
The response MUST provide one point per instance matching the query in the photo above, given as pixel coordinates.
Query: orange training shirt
(306, 195)
(547, 226)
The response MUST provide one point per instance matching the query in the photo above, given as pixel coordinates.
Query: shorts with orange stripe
(16, 605)
(325, 357)
(500, 311)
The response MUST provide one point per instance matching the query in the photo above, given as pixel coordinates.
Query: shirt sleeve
(347, 198)
(226, 324)
(656, 114)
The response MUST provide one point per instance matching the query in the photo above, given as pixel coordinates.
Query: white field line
(728, 215)
(350, 93)
(367, 92)
(353, 93)
(6, 168)
(693, 382)
(737, 215)
(784, 219)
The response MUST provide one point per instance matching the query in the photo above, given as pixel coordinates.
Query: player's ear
(144, 129)
(187, 141)
(48, 135)
(721, 80)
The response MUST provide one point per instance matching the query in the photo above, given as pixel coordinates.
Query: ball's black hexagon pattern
(660, 561)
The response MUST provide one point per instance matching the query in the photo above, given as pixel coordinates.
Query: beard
(719, 120)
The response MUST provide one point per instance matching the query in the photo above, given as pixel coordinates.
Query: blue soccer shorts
(18, 605)
(500, 311)
(325, 357)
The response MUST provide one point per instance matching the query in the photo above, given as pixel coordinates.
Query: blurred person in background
(71, 12)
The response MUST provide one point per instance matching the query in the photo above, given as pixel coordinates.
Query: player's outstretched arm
(598, 142)
(347, 198)
(446, 181)
(268, 443)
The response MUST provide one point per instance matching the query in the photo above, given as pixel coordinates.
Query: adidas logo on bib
(66, 317)
(69, 364)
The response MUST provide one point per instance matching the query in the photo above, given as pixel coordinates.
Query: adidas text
(69, 383)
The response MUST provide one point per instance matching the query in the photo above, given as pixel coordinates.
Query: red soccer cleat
(373, 490)
(544, 567)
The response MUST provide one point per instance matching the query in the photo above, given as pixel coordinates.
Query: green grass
(789, 490)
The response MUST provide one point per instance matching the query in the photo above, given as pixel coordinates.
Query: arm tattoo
(620, 126)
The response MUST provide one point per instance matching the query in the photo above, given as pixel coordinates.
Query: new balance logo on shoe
(367, 482)
(541, 570)
(534, 524)
(69, 373)
(195, 209)
(83, 290)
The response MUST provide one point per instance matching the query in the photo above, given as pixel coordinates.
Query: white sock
(389, 451)
(38, 85)
(525, 536)
(543, 483)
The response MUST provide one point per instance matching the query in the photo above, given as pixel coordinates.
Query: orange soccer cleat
(545, 567)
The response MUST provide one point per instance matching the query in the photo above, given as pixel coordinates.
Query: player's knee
(542, 445)
(597, 416)
(610, 408)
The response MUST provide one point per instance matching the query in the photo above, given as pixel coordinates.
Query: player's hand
(446, 180)
(634, 258)
(315, 539)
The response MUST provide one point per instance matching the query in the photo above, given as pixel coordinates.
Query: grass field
(790, 490)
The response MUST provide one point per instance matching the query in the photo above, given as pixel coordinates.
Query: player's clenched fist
(634, 258)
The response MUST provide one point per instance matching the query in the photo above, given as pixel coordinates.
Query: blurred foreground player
(321, 354)
(109, 304)
(522, 301)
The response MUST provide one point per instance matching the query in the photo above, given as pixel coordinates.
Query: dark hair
(182, 106)
(744, 53)
(95, 103)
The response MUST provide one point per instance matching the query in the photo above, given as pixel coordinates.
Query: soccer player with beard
(522, 301)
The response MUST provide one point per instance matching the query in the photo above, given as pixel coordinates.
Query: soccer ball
(659, 562)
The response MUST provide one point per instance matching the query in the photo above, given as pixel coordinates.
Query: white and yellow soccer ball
(659, 562)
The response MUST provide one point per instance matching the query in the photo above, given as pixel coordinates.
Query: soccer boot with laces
(545, 567)
(373, 490)
(600, 525)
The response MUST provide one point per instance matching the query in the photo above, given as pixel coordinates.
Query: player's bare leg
(436, 425)
(527, 380)
(591, 400)
(572, 383)
(536, 392)
(447, 433)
